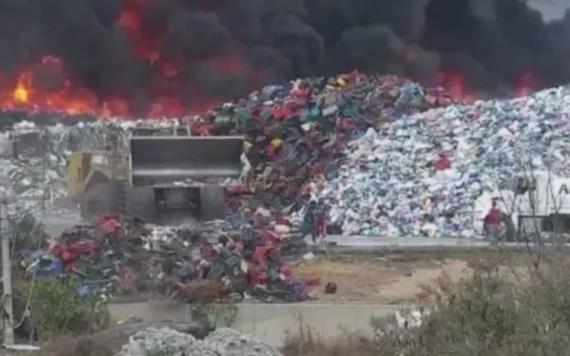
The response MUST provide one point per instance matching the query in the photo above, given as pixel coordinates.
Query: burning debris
(294, 132)
(156, 58)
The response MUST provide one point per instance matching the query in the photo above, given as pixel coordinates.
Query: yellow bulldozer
(164, 179)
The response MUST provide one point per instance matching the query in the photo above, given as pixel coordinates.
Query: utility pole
(8, 312)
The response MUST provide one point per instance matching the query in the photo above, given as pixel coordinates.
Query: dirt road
(389, 279)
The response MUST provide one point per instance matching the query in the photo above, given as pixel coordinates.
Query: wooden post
(8, 313)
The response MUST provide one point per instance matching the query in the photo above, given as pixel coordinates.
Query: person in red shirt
(493, 220)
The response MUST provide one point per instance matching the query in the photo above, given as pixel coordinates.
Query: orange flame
(525, 84)
(27, 94)
(454, 82)
(21, 94)
(47, 86)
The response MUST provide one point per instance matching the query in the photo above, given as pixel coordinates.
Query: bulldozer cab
(84, 167)
(168, 180)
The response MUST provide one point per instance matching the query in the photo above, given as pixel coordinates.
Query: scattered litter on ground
(308, 256)
(194, 263)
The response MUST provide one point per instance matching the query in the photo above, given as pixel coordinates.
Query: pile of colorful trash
(296, 134)
(298, 131)
(422, 174)
(126, 257)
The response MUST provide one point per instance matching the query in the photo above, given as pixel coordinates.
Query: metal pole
(8, 314)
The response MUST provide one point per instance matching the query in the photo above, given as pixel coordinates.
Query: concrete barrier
(269, 322)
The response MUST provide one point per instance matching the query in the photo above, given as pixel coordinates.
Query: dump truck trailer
(167, 180)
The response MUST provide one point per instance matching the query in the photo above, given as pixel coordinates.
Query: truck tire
(212, 203)
(98, 199)
(141, 204)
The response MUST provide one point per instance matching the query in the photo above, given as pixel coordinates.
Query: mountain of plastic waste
(294, 131)
(422, 174)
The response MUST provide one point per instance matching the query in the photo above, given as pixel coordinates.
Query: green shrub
(57, 309)
(214, 315)
(492, 313)
(169, 351)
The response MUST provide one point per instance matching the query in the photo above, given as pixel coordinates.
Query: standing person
(309, 221)
(321, 219)
(248, 236)
(492, 222)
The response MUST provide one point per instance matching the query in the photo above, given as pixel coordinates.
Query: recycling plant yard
(366, 147)
(261, 178)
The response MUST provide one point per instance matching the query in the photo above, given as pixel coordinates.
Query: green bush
(26, 233)
(491, 313)
(57, 309)
(168, 351)
(214, 315)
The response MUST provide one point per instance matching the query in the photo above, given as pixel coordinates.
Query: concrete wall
(270, 322)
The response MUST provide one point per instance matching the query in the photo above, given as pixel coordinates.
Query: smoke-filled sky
(200, 50)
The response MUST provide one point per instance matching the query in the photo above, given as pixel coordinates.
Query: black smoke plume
(223, 48)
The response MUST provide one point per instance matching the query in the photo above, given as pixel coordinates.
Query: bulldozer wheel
(141, 204)
(98, 199)
(212, 201)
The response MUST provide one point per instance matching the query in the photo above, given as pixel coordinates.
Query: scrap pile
(421, 174)
(295, 132)
(298, 131)
(128, 257)
(221, 342)
(33, 161)
(34, 177)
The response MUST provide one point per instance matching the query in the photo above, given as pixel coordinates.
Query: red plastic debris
(71, 253)
(261, 254)
(269, 237)
(312, 282)
(110, 223)
(286, 272)
(282, 112)
(442, 163)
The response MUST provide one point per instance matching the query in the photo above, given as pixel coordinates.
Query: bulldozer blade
(166, 160)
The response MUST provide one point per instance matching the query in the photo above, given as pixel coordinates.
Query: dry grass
(307, 342)
(500, 310)
(74, 346)
(388, 279)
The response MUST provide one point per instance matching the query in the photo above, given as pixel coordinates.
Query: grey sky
(551, 9)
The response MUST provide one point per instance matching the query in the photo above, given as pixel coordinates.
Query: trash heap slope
(393, 182)
(294, 132)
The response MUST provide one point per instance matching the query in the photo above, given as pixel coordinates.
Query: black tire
(141, 204)
(98, 199)
(212, 202)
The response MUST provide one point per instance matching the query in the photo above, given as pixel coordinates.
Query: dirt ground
(389, 279)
